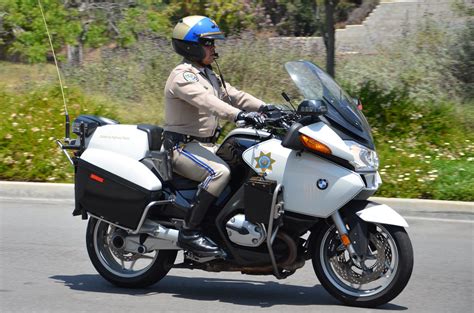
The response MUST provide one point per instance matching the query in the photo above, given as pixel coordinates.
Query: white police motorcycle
(298, 191)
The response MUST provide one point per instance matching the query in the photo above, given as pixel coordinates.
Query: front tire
(121, 268)
(387, 270)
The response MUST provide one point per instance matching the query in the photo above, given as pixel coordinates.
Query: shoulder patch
(190, 77)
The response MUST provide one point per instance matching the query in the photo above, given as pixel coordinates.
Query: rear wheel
(377, 279)
(122, 268)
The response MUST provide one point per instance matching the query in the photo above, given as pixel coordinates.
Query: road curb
(53, 191)
(422, 205)
(36, 190)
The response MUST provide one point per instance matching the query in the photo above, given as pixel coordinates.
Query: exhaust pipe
(166, 233)
(161, 236)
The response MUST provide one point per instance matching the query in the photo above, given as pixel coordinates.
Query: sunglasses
(207, 42)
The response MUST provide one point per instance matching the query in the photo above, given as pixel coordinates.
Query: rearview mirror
(312, 107)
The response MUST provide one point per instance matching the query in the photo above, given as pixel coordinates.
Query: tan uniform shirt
(195, 100)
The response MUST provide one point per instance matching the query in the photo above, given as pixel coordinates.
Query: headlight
(364, 158)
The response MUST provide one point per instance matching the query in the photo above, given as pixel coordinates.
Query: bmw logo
(322, 184)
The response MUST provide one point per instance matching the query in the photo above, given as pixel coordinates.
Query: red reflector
(97, 178)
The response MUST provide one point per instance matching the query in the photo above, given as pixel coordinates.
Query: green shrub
(426, 150)
(30, 123)
(412, 170)
(416, 97)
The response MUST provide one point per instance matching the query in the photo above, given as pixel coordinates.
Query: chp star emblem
(264, 162)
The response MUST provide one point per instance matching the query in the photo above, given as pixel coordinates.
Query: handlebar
(276, 119)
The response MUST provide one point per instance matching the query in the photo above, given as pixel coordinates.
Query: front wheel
(122, 268)
(376, 280)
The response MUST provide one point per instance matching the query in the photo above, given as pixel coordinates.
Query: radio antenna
(223, 82)
(66, 114)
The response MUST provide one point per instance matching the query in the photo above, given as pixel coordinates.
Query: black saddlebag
(258, 197)
(109, 196)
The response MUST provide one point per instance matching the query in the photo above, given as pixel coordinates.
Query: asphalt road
(44, 267)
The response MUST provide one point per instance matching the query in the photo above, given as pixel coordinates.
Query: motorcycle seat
(154, 135)
(182, 183)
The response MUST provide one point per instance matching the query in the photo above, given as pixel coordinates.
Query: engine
(245, 233)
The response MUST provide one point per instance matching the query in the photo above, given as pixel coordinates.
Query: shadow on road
(240, 292)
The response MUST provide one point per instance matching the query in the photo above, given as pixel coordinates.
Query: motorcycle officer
(195, 99)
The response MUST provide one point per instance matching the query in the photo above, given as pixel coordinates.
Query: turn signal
(314, 145)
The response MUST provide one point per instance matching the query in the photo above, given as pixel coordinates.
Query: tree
(291, 17)
(119, 21)
(329, 36)
(335, 11)
(232, 16)
(75, 24)
(24, 36)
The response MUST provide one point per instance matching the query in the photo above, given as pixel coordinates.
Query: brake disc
(381, 257)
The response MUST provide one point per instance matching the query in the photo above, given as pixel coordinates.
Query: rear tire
(388, 274)
(112, 263)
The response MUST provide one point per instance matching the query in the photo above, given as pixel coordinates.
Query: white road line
(47, 200)
(434, 219)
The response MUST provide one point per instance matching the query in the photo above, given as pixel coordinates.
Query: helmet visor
(212, 35)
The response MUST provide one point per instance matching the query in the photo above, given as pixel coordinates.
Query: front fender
(374, 212)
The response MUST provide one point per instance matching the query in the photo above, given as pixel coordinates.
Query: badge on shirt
(190, 77)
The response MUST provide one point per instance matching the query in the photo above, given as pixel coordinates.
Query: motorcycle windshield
(315, 84)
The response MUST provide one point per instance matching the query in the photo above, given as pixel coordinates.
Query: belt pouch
(162, 161)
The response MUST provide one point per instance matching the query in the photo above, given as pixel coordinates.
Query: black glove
(253, 118)
(268, 108)
(270, 111)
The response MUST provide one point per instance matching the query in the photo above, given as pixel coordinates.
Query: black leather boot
(190, 237)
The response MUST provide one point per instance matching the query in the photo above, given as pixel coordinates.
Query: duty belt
(178, 138)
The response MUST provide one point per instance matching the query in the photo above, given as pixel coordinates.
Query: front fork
(344, 235)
